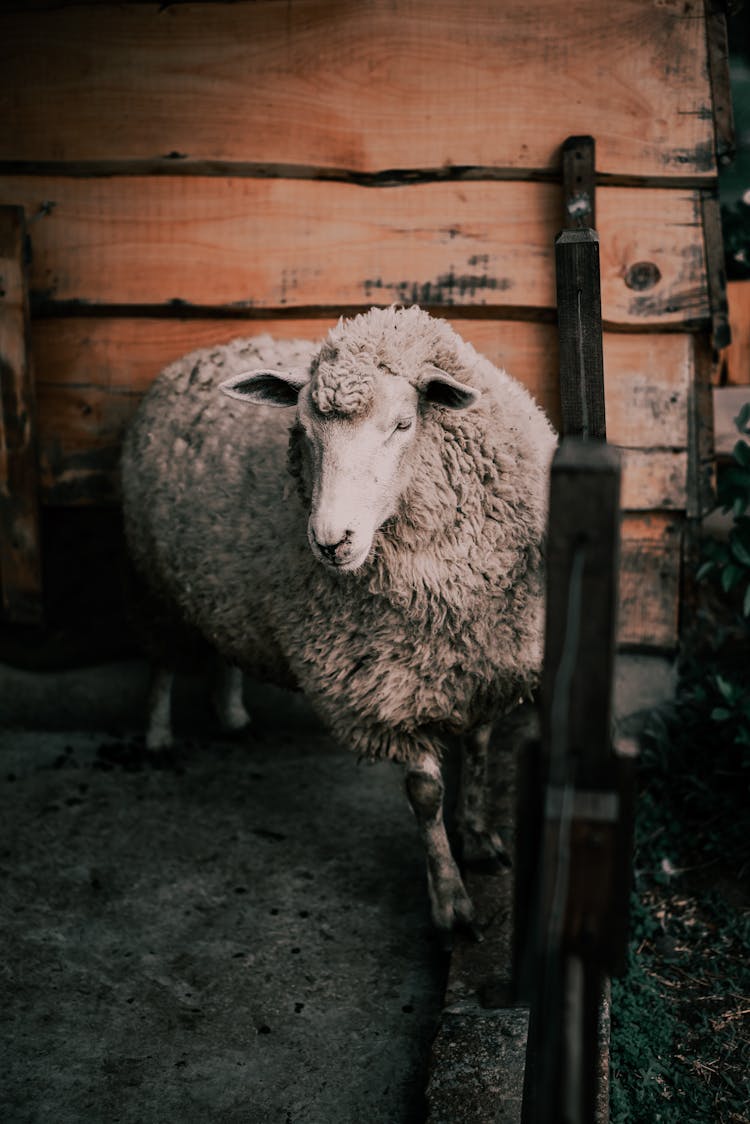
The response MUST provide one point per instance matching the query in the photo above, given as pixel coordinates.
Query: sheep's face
(360, 457)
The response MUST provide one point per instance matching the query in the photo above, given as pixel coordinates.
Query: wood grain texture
(407, 84)
(579, 320)
(737, 355)
(650, 566)
(20, 559)
(291, 243)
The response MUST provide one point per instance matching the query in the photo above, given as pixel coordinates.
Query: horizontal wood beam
(254, 244)
(366, 87)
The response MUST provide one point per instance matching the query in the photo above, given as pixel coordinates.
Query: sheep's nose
(334, 551)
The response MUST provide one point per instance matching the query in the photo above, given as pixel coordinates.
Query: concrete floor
(238, 933)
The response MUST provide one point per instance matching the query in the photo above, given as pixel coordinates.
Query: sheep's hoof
(159, 740)
(233, 720)
(452, 908)
(484, 850)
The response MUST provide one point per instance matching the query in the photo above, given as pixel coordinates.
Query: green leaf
(726, 688)
(737, 477)
(705, 570)
(741, 453)
(740, 552)
(743, 418)
(720, 714)
(730, 576)
(746, 603)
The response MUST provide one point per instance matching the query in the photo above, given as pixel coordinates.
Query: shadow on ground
(235, 933)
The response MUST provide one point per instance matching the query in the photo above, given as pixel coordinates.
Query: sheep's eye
(404, 423)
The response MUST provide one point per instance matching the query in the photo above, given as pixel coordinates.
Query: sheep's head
(360, 428)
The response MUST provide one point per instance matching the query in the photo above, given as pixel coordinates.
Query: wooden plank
(271, 244)
(650, 580)
(408, 84)
(721, 90)
(20, 560)
(737, 355)
(654, 478)
(716, 274)
(701, 480)
(92, 372)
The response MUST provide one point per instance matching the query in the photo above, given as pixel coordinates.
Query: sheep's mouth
(346, 565)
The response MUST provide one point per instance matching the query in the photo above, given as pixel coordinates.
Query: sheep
(384, 553)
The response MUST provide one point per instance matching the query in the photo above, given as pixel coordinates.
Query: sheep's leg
(480, 843)
(227, 699)
(450, 904)
(159, 726)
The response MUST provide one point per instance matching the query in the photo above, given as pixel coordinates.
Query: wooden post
(579, 182)
(580, 891)
(20, 557)
(576, 794)
(579, 316)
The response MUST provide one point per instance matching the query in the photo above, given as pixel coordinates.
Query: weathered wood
(654, 479)
(701, 478)
(362, 88)
(270, 244)
(650, 560)
(579, 183)
(575, 855)
(718, 69)
(579, 315)
(582, 561)
(715, 270)
(20, 561)
(737, 355)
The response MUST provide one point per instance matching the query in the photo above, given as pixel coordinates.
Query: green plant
(679, 1015)
(729, 560)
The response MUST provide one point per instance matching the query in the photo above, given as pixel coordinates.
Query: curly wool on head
(341, 390)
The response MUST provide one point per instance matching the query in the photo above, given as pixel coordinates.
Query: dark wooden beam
(20, 555)
(579, 315)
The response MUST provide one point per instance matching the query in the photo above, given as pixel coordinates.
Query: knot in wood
(642, 275)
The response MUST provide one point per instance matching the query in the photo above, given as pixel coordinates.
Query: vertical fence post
(573, 874)
(20, 557)
(579, 317)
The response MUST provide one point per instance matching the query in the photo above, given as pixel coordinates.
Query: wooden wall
(196, 171)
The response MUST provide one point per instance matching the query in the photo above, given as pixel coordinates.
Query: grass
(680, 1046)
(681, 1015)
(680, 1050)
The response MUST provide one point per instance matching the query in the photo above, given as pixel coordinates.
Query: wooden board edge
(20, 547)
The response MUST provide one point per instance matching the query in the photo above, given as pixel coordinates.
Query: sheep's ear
(442, 389)
(267, 388)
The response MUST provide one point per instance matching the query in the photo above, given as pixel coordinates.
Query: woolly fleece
(441, 629)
